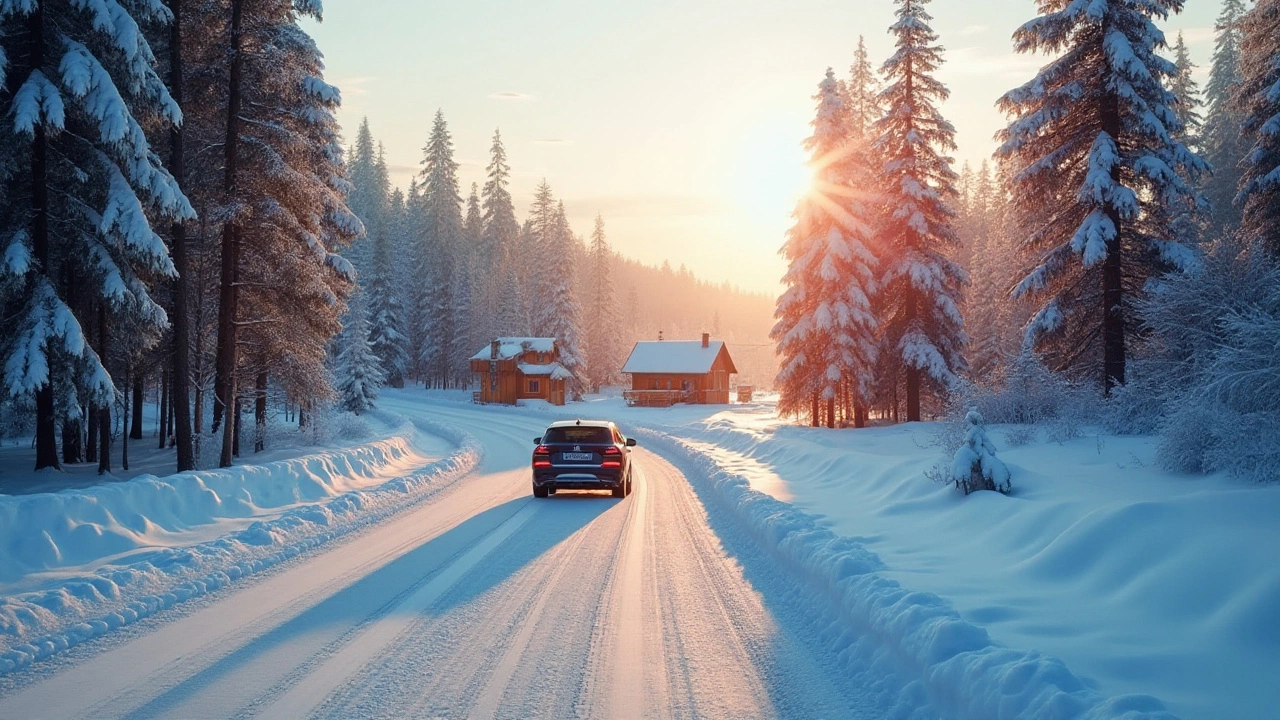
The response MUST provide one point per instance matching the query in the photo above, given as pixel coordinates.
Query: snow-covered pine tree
(285, 204)
(1098, 165)
(467, 302)
(975, 465)
(415, 266)
(81, 185)
(923, 332)
(604, 339)
(862, 98)
(1186, 220)
(825, 330)
(1258, 98)
(560, 316)
(386, 334)
(543, 240)
(358, 370)
(370, 191)
(1222, 143)
(501, 234)
(441, 241)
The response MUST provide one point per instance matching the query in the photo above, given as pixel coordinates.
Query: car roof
(581, 423)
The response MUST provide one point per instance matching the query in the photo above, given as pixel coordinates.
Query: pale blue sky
(679, 120)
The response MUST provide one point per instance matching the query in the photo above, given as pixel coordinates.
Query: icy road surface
(480, 602)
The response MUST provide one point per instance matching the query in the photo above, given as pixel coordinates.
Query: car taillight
(612, 458)
(542, 456)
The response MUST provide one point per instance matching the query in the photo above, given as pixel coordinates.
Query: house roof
(684, 357)
(555, 370)
(510, 347)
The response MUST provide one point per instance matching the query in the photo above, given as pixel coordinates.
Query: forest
(1113, 264)
(184, 224)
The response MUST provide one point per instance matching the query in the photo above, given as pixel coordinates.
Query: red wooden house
(665, 372)
(516, 368)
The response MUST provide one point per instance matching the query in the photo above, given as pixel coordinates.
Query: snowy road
(479, 602)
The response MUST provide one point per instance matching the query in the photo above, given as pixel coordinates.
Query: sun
(776, 172)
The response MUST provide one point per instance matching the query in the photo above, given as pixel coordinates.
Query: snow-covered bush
(327, 424)
(1020, 435)
(975, 465)
(1137, 406)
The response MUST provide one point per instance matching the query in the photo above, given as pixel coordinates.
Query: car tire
(539, 492)
(620, 491)
(629, 488)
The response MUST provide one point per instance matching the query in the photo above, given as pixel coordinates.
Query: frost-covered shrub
(1136, 407)
(1187, 434)
(1031, 393)
(1020, 435)
(975, 465)
(327, 424)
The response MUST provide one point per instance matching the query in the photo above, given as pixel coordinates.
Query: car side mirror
(631, 442)
(537, 440)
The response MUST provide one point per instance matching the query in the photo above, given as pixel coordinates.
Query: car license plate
(577, 456)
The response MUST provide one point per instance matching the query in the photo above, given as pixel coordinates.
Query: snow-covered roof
(555, 370)
(511, 347)
(674, 356)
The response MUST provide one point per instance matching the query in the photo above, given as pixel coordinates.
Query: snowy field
(1101, 588)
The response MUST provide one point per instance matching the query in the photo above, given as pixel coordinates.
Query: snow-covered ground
(1102, 586)
(1140, 581)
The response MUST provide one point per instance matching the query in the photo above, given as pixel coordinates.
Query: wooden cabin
(519, 368)
(665, 372)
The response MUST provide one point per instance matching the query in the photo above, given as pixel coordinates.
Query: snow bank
(61, 530)
(957, 669)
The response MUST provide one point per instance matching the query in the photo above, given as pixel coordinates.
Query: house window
(533, 386)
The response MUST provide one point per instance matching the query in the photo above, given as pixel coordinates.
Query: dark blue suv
(582, 455)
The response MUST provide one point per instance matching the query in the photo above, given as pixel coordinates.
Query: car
(582, 455)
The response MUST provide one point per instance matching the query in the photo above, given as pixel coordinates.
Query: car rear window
(585, 434)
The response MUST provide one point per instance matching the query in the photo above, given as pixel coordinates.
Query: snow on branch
(37, 102)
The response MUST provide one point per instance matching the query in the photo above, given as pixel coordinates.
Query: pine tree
(358, 370)
(1258, 99)
(1223, 144)
(501, 235)
(559, 314)
(79, 178)
(370, 190)
(543, 241)
(467, 302)
(1186, 219)
(1093, 137)
(441, 240)
(603, 341)
(920, 286)
(862, 99)
(825, 331)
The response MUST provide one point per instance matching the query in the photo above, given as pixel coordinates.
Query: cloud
(552, 141)
(974, 29)
(510, 96)
(617, 206)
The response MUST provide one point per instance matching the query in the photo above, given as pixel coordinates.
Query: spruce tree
(1222, 142)
(358, 370)
(919, 285)
(559, 314)
(1098, 165)
(441, 239)
(1258, 99)
(79, 187)
(603, 341)
(499, 249)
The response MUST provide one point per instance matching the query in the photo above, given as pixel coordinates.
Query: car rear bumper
(578, 480)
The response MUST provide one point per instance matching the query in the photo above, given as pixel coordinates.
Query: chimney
(494, 348)
(706, 339)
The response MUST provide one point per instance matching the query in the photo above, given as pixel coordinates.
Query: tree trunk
(168, 434)
(234, 425)
(46, 438)
(181, 414)
(813, 414)
(125, 432)
(831, 412)
(1113, 352)
(260, 414)
(859, 416)
(91, 435)
(197, 412)
(135, 431)
(71, 446)
(225, 381)
(162, 427)
(104, 411)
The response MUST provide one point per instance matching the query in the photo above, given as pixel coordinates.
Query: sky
(679, 121)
